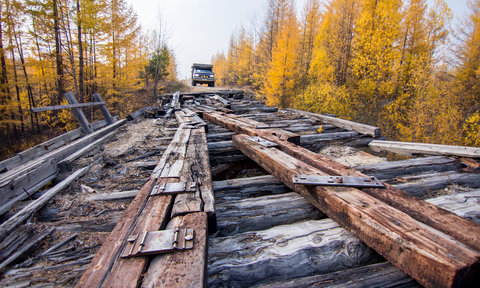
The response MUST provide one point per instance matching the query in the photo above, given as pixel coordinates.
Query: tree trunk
(58, 53)
(80, 53)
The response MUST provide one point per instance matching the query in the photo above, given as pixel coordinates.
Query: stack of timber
(260, 229)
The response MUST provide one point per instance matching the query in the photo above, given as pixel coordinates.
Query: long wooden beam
(409, 148)
(426, 254)
(440, 219)
(68, 106)
(342, 123)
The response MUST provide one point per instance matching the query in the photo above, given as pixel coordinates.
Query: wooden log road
(226, 187)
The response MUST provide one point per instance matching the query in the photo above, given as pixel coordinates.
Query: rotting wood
(235, 189)
(24, 183)
(409, 148)
(25, 247)
(302, 249)
(389, 170)
(31, 208)
(263, 212)
(342, 123)
(440, 219)
(433, 259)
(182, 268)
(426, 184)
(46, 147)
(66, 163)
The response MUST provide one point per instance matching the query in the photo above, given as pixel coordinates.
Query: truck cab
(203, 74)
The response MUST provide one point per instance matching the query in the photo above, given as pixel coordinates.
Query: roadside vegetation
(399, 65)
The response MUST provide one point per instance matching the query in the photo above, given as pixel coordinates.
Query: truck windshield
(202, 71)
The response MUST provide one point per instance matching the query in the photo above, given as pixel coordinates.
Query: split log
(235, 189)
(409, 148)
(284, 252)
(113, 196)
(391, 169)
(182, 268)
(380, 275)
(345, 124)
(31, 208)
(430, 182)
(96, 225)
(426, 254)
(263, 212)
(25, 247)
(422, 211)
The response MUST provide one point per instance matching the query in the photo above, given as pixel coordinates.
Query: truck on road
(203, 74)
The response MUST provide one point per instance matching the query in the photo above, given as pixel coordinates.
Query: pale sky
(197, 29)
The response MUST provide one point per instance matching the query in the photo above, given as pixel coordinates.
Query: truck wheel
(212, 84)
(194, 84)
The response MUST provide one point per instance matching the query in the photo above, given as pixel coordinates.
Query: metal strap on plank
(158, 242)
(262, 141)
(348, 181)
(173, 188)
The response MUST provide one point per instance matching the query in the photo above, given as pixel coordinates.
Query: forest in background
(49, 47)
(399, 65)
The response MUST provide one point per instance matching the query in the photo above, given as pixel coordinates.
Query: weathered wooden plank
(31, 208)
(466, 204)
(113, 195)
(325, 137)
(391, 169)
(45, 147)
(82, 120)
(263, 212)
(234, 189)
(409, 148)
(422, 211)
(426, 184)
(428, 255)
(284, 252)
(96, 97)
(25, 247)
(182, 268)
(68, 106)
(66, 163)
(18, 186)
(342, 123)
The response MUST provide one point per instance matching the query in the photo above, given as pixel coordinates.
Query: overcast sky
(199, 29)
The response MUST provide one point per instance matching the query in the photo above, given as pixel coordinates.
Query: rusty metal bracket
(262, 141)
(348, 181)
(158, 242)
(174, 188)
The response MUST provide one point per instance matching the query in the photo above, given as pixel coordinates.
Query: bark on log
(428, 255)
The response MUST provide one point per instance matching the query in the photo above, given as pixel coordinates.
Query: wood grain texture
(429, 256)
(440, 219)
(409, 148)
(182, 268)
